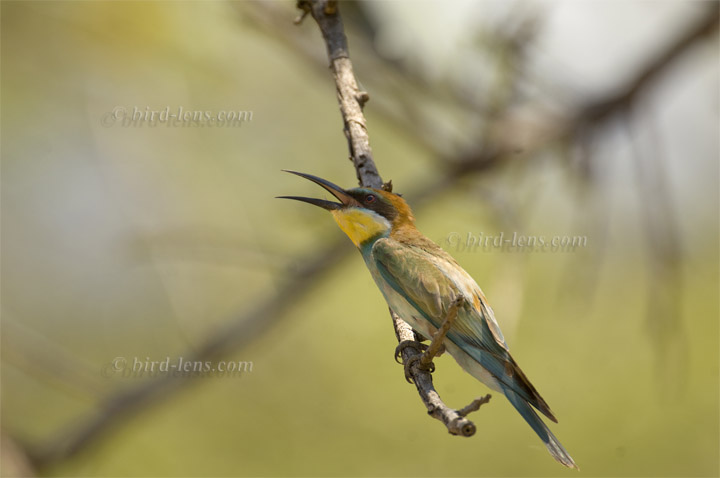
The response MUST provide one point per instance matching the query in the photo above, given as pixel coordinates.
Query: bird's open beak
(345, 199)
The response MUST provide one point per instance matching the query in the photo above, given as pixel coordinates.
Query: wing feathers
(430, 283)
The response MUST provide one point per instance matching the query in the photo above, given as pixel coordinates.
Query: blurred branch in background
(464, 154)
(14, 460)
(626, 96)
(235, 335)
(48, 360)
(666, 289)
(664, 249)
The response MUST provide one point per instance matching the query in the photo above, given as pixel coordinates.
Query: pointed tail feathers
(530, 416)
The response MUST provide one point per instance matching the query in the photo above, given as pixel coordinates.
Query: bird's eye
(370, 198)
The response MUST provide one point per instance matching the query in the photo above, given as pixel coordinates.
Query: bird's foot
(422, 361)
(408, 344)
(439, 351)
(425, 360)
(417, 362)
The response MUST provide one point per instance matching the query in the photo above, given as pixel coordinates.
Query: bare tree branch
(350, 97)
(352, 100)
(455, 421)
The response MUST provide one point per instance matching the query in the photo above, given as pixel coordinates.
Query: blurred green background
(152, 241)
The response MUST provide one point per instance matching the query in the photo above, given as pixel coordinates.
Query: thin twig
(474, 406)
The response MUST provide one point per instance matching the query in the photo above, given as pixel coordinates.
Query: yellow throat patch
(360, 224)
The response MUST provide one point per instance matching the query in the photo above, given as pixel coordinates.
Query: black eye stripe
(374, 202)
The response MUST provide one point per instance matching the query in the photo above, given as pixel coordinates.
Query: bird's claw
(417, 361)
(421, 361)
(408, 344)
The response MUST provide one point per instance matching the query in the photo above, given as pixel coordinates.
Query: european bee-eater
(421, 283)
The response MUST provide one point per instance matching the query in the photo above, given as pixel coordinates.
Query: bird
(424, 285)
